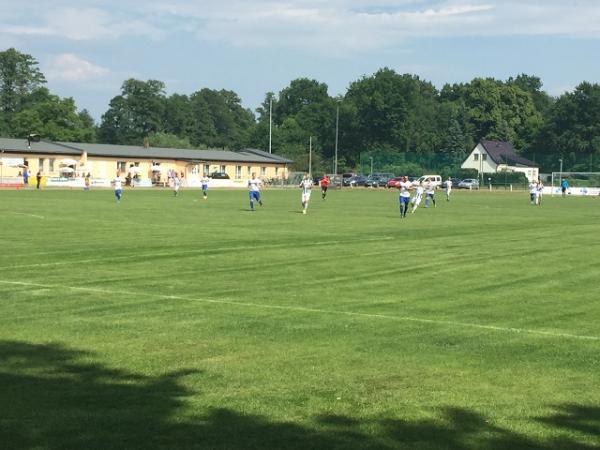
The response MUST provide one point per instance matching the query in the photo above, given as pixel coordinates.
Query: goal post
(579, 183)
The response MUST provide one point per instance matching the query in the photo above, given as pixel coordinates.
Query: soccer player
(306, 186)
(404, 199)
(118, 182)
(254, 191)
(564, 187)
(540, 191)
(448, 188)
(324, 183)
(429, 193)
(204, 181)
(416, 200)
(533, 190)
(176, 184)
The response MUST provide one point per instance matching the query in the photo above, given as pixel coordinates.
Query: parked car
(378, 179)
(469, 183)
(357, 180)
(436, 180)
(219, 176)
(394, 182)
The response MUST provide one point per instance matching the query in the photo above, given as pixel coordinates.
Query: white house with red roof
(498, 156)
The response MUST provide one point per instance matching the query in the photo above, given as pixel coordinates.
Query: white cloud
(78, 23)
(317, 25)
(364, 25)
(69, 67)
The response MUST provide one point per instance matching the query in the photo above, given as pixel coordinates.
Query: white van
(436, 180)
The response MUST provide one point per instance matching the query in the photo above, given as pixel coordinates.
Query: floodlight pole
(270, 121)
(337, 123)
(371, 158)
(310, 156)
(561, 167)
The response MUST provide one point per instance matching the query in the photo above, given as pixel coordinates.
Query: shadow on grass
(51, 398)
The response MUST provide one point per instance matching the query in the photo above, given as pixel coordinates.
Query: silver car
(469, 183)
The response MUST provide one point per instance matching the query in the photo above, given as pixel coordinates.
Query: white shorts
(305, 197)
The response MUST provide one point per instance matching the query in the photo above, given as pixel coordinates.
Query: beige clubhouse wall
(101, 167)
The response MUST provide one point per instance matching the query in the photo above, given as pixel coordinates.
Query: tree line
(403, 121)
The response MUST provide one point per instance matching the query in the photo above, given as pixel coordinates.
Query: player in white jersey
(448, 188)
(533, 191)
(306, 186)
(176, 184)
(429, 193)
(254, 185)
(416, 200)
(404, 199)
(118, 182)
(540, 191)
(204, 181)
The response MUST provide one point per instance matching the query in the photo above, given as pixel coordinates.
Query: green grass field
(178, 323)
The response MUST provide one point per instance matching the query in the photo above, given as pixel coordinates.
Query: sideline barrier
(575, 191)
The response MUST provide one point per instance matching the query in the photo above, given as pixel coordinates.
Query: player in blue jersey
(254, 185)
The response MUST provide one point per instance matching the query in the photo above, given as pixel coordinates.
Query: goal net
(577, 183)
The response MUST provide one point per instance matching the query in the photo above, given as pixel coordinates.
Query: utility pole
(310, 156)
(270, 121)
(337, 123)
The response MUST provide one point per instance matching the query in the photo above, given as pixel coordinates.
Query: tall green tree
(19, 77)
(226, 123)
(179, 116)
(572, 131)
(134, 114)
(394, 112)
(54, 118)
(496, 110)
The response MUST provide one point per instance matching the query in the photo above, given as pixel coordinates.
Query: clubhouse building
(67, 163)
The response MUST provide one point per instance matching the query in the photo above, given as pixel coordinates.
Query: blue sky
(88, 48)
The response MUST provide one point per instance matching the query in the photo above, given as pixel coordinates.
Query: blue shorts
(205, 187)
(254, 195)
(404, 200)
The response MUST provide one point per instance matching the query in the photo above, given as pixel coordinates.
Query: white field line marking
(196, 251)
(314, 310)
(27, 214)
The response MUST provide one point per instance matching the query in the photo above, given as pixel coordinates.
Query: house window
(263, 171)
(476, 157)
(51, 164)
(484, 157)
(222, 169)
(238, 172)
(41, 164)
(249, 171)
(122, 166)
(276, 171)
(206, 169)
